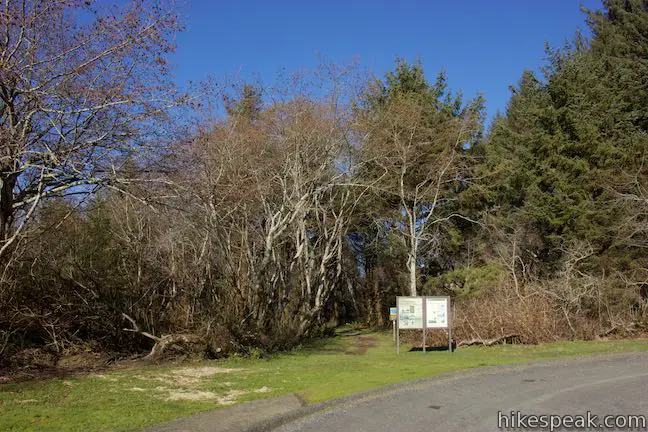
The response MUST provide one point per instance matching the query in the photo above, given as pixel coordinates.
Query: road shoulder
(267, 414)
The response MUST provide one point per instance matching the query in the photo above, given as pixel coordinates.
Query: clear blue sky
(484, 45)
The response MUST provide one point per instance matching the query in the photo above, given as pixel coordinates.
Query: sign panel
(393, 313)
(410, 312)
(436, 312)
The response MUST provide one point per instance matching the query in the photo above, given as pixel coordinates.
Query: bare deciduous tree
(279, 211)
(81, 86)
(415, 151)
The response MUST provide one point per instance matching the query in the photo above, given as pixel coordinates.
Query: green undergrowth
(124, 400)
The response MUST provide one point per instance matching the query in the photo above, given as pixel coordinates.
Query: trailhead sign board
(436, 312)
(410, 312)
(423, 313)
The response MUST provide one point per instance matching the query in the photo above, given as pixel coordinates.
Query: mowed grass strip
(133, 399)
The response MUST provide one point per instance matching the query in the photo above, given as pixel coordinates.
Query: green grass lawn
(124, 400)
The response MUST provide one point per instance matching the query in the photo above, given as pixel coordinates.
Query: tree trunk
(378, 303)
(413, 252)
(7, 184)
(411, 265)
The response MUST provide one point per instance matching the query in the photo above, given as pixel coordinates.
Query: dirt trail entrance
(361, 345)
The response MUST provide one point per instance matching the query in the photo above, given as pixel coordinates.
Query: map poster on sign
(436, 309)
(410, 312)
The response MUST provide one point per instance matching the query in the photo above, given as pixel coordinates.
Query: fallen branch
(172, 340)
(136, 329)
(509, 338)
(629, 329)
(164, 342)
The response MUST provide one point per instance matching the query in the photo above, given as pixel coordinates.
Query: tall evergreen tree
(572, 147)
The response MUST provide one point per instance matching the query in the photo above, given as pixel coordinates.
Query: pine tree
(572, 145)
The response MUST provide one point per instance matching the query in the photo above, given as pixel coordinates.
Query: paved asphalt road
(616, 385)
